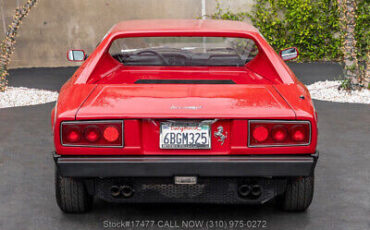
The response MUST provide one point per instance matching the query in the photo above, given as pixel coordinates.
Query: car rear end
(158, 126)
(186, 152)
(222, 159)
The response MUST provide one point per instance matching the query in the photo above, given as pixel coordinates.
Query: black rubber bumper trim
(167, 166)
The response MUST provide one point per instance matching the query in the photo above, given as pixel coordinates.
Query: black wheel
(298, 194)
(71, 195)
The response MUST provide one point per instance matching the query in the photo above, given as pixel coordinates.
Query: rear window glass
(183, 51)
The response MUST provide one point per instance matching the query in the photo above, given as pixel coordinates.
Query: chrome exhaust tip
(244, 190)
(256, 190)
(127, 191)
(115, 190)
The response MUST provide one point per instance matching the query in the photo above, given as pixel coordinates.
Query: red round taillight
(111, 134)
(73, 134)
(260, 133)
(298, 133)
(92, 133)
(279, 133)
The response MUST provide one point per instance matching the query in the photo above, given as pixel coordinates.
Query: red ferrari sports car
(184, 111)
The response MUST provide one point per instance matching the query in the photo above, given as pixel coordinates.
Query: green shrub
(362, 31)
(310, 25)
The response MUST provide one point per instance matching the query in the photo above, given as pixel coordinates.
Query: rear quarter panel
(299, 98)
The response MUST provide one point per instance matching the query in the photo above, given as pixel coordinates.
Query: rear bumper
(202, 166)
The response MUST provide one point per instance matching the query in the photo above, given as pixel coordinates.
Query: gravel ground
(22, 96)
(328, 91)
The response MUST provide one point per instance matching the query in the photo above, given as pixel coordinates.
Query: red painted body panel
(168, 101)
(103, 89)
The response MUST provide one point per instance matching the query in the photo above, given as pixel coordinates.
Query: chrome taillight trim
(278, 121)
(93, 122)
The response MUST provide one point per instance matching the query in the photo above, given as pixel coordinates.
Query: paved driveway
(27, 200)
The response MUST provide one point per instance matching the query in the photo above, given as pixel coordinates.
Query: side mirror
(289, 53)
(76, 55)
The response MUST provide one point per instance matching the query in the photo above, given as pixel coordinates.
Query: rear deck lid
(185, 101)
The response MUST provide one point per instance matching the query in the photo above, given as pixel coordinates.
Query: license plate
(184, 135)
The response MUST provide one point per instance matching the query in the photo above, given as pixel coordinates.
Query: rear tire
(298, 195)
(71, 195)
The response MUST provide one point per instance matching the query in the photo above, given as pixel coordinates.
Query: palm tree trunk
(348, 21)
(366, 75)
(8, 44)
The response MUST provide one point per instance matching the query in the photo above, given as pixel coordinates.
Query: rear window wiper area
(179, 57)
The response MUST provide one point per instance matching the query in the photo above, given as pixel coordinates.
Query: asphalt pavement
(27, 201)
